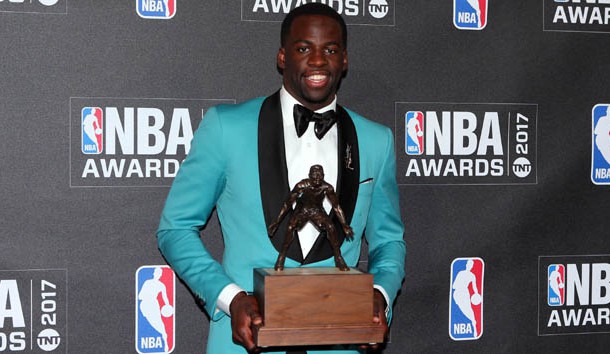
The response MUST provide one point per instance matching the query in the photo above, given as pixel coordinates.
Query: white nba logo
(466, 299)
(155, 308)
(600, 149)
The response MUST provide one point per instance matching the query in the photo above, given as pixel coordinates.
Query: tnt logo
(522, 167)
(470, 14)
(414, 122)
(378, 8)
(155, 309)
(600, 154)
(92, 120)
(556, 288)
(157, 9)
(48, 340)
(466, 299)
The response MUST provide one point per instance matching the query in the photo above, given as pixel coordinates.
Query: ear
(281, 58)
(345, 61)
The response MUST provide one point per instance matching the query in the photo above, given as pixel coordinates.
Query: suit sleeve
(192, 197)
(384, 228)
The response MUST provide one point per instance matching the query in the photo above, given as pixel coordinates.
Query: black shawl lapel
(349, 163)
(347, 183)
(273, 173)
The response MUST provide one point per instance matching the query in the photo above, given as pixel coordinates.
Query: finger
(374, 347)
(242, 333)
(247, 339)
(256, 318)
(370, 348)
(255, 350)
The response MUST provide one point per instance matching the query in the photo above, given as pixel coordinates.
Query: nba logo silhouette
(414, 140)
(157, 9)
(556, 289)
(155, 320)
(466, 299)
(92, 120)
(600, 151)
(470, 14)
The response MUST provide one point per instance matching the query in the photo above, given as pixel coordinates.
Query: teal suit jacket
(237, 165)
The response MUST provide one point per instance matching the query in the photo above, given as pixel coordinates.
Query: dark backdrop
(93, 233)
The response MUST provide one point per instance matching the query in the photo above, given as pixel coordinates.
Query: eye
(302, 49)
(331, 50)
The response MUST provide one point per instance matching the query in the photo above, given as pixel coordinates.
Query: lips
(317, 80)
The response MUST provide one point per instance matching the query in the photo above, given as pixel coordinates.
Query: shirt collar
(288, 102)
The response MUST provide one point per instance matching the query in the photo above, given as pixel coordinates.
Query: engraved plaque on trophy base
(315, 306)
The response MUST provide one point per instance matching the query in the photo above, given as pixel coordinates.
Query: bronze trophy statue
(309, 194)
(314, 305)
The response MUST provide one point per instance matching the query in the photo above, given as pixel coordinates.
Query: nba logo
(91, 130)
(600, 151)
(155, 318)
(414, 121)
(466, 299)
(556, 280)
(159, 9)
(470, 14)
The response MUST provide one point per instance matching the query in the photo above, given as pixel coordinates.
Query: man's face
(313, 60)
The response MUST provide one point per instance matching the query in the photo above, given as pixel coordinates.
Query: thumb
(256, 318)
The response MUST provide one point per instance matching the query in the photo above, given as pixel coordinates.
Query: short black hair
(312, 9)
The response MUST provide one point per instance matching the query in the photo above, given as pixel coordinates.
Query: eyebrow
(310, 42)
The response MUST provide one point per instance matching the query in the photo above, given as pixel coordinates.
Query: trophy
(314, 306)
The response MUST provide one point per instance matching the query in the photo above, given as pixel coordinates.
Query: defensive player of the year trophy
(314, 306)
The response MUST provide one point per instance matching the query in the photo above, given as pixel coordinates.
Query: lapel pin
(348, 157)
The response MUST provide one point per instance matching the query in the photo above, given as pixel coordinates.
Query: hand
(379, 318)
(245, 316)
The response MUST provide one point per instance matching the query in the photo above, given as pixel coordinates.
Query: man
(245, 158)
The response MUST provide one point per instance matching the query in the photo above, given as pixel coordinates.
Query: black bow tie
(302, 117)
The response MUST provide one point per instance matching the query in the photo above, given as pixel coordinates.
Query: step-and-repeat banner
(501, 116)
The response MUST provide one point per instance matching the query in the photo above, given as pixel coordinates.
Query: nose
(317, 58)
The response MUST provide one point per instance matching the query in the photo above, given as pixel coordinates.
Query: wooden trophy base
(315, 306)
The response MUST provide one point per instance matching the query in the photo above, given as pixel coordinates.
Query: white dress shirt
(306, 151)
